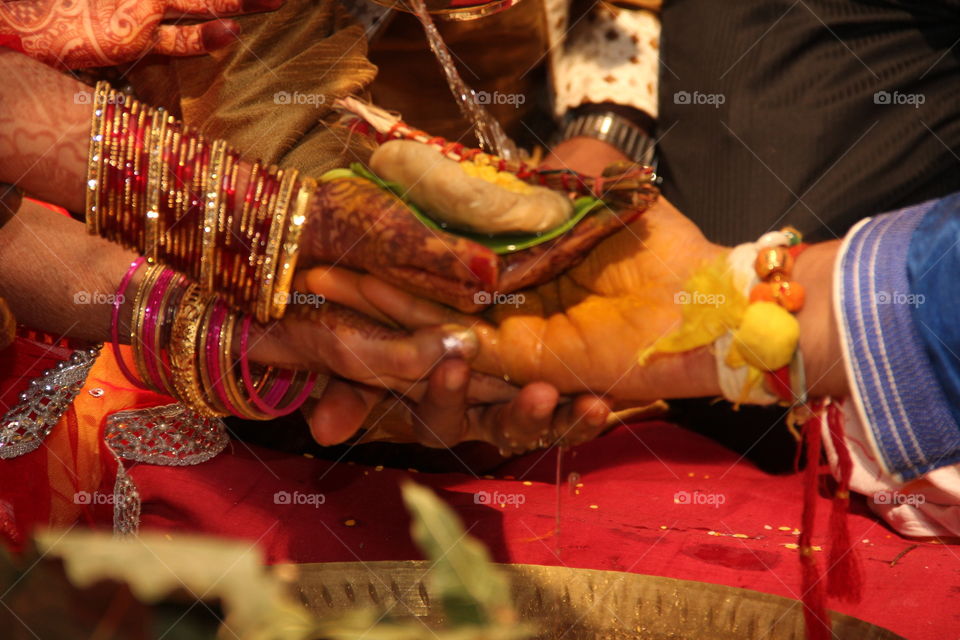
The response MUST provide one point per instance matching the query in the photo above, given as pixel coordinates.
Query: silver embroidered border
(24, 427)
(168, 435)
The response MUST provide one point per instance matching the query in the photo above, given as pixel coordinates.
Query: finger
(527, 421)
(218, 8)
(341, 411)
(362, 350)
(581, 420)
(342, 286)
(335, 339)
(195, 39)
(519, 425)
(408, 310)
(439, 417)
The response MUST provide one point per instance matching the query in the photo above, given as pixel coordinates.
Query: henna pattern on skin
(45, 153)
(358, 225)
(76, 34)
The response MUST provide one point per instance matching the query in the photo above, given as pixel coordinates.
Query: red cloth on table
(636, 512)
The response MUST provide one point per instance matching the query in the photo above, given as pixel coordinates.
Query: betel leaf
(498, 243)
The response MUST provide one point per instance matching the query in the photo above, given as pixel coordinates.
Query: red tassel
(845, 574)
(814, 596)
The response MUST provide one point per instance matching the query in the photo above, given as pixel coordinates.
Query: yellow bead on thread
(767, 336)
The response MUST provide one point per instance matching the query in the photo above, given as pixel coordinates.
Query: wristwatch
(613, 129)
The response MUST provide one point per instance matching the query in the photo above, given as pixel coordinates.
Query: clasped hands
(415, 354)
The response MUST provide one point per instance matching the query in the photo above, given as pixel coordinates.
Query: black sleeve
(815, 114)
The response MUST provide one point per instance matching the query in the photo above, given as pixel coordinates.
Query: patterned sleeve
(895, 292)
(608, 54)
(895, 366)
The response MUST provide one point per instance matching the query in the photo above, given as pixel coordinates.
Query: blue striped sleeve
(892, 380)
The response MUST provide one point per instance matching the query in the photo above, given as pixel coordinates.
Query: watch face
(455, 10)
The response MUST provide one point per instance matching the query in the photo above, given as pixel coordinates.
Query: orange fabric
(76, 458)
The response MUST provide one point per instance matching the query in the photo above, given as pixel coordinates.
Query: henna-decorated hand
(95, 33)
(356, 224)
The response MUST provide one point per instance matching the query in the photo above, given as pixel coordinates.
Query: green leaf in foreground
(473, 592)
(499, 243)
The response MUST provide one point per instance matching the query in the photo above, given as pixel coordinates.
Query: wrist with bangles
(208, 246)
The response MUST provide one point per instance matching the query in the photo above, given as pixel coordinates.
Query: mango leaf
(501, 243)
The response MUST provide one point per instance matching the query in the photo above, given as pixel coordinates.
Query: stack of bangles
(183, 345)
(160, 188)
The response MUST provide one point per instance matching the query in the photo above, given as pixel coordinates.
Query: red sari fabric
(655, 499)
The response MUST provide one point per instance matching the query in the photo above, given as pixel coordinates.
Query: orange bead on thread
(762, 292)
(773, 261)
(790, 295)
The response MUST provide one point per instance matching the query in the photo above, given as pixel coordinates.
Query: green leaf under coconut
(500, 243)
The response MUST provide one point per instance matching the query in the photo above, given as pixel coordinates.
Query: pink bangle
(115, 323)
(220, 313)
(150, 326)
(272, 411)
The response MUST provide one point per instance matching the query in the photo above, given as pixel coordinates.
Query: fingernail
(596, 418)
(459, 342)
(455, 380)
(542, 410)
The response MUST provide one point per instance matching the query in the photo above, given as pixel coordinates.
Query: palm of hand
(584, 330)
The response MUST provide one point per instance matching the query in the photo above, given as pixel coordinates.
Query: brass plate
(580, 604)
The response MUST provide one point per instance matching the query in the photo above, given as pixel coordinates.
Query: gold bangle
(183, 351)
(176, 287)
(108, 213)
(271, 256)
(257, 214)
(144, 123)
(291, 248)
(95, 157)
(212, 184)
(151, 218)
(121, 203)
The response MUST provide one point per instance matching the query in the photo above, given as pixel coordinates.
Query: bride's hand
(99, 33)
